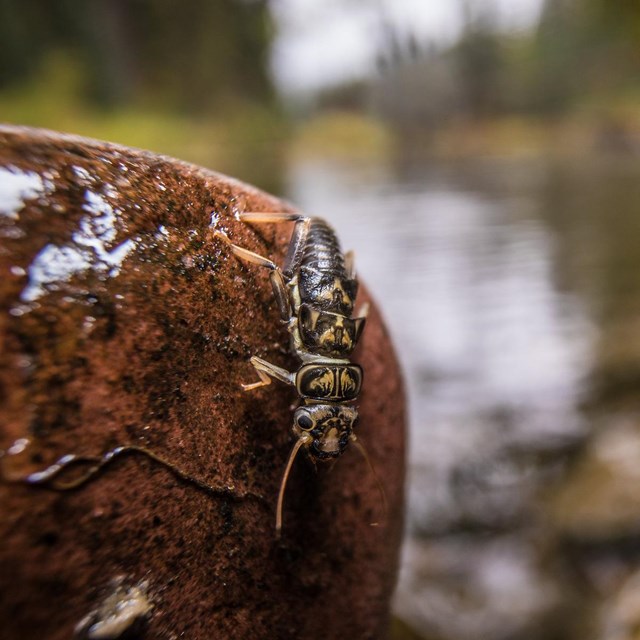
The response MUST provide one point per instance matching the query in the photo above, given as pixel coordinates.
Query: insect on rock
(315, 291)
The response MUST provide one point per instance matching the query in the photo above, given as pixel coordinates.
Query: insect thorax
(329, 381)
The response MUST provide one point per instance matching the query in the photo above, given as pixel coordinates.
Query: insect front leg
(270, 216)
(245, 254)
(277, 280)
(298, 239)
(267, 371)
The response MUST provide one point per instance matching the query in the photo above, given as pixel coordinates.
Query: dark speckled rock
(124, 321)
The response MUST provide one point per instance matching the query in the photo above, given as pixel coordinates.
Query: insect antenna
(383, 496)
(283, 484)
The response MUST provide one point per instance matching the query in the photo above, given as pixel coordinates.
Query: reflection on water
(493, 352)
(470, 269)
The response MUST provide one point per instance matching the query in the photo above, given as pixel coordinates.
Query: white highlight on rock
(17, 186)
(89, 249)
(117, 613)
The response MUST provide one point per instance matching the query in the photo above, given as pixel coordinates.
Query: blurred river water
(507, 285)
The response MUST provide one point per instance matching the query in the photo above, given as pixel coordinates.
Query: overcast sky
(323, 42)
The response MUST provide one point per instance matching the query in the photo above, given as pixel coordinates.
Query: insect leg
(245, 254)
(270, 216)
(349, 264)
(360, 319)
(277, 280)
(363, 311)
(266, 371)
(298, 239)
(383, 496)
(280, 293)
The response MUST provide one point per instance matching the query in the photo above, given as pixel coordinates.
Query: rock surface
(124, 321)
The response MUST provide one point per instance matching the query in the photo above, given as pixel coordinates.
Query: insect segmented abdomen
(323, 279)
(322, 250)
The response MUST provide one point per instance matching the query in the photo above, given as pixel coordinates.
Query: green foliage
(191, 56)
(619, 20)
(186, 79)
(479, 60)
(342, 134)
(240, 139)
(585, 49)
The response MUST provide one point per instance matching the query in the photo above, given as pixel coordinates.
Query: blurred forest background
(195, 80)
(489, 179)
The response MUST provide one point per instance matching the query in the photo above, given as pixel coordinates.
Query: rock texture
(123, 321)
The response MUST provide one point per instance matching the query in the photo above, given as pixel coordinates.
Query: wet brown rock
(124, 321)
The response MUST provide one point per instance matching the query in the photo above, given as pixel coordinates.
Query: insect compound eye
(304, 421)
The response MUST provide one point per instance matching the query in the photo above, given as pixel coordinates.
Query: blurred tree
(621, 18)
(585, 48)
(557, 51)
(190, 56)
(613, 31)
(479, 61)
